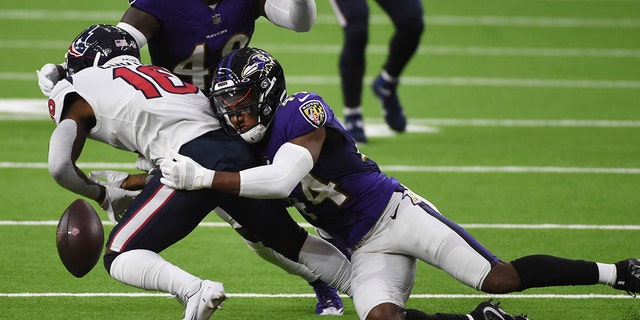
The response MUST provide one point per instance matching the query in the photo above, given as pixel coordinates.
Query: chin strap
(254, 134)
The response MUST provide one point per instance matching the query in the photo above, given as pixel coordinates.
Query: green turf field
(524, 127)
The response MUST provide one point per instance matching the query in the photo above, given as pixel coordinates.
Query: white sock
(326, 261)
(352, 111)
(281, 261)
(147, 270)
(608, 273)
(387, 77)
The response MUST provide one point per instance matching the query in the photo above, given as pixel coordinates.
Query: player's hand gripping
(108, 177)
(116, 200)
(184, 173)
(49, 75)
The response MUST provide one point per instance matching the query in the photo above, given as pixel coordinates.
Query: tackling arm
(291, 163)
(276, 181)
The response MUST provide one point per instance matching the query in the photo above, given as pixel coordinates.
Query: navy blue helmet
(98, 44)
(248, 80)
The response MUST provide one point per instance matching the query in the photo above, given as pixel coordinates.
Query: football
(79, 238)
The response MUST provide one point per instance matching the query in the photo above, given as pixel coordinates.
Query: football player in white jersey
(112, 98)
(185, 44)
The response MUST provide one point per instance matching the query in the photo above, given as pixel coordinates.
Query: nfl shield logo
(216, 18)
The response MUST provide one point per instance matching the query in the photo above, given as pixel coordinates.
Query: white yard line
(544, 226)
(525, 123)
(508, 169)
(310, 295)
(393, 168)
(431, 81)
(481, 82)
(33, 109)
(334, 49)
(374, 19)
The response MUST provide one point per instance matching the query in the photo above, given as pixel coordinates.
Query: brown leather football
(80, 238)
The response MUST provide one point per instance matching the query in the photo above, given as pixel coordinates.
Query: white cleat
(202, 304)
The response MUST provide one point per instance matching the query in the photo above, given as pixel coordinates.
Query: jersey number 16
(150, 80)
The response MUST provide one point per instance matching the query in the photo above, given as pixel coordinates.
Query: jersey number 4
(150, 80)
(316, 191)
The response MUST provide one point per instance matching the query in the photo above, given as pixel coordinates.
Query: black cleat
(355, 127)
(628, 276)
(489, 310)
(392, 110)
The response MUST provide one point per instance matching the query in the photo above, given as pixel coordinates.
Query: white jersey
(139, 108)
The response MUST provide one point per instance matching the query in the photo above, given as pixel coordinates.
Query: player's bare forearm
(62, 72)
(227, 182)
(135, 181)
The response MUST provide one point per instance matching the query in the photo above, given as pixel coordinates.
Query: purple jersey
(193, 36)
(345, 192)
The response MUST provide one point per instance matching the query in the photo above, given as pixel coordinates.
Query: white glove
(143, 164)
(116, 201)
(48, 76)
(184, 173)
(108, 177)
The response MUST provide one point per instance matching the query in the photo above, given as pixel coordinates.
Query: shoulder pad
(55, 104)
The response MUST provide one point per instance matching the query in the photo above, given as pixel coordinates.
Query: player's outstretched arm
(291, 163)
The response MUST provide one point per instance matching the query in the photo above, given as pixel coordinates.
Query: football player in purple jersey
(353, 16)
(317, 166)
(189, 37)
(110, 97)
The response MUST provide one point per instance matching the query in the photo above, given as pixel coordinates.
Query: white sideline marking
(334, 49)
(374, 19)
(430, 81)
(480, 82)
(394, 168)
(44, 165)
(514, 82)
(509, 169)
(25, 106)
(466, 226)
(309, 295)
(523, 123)
(32, 109)
(503, 21)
